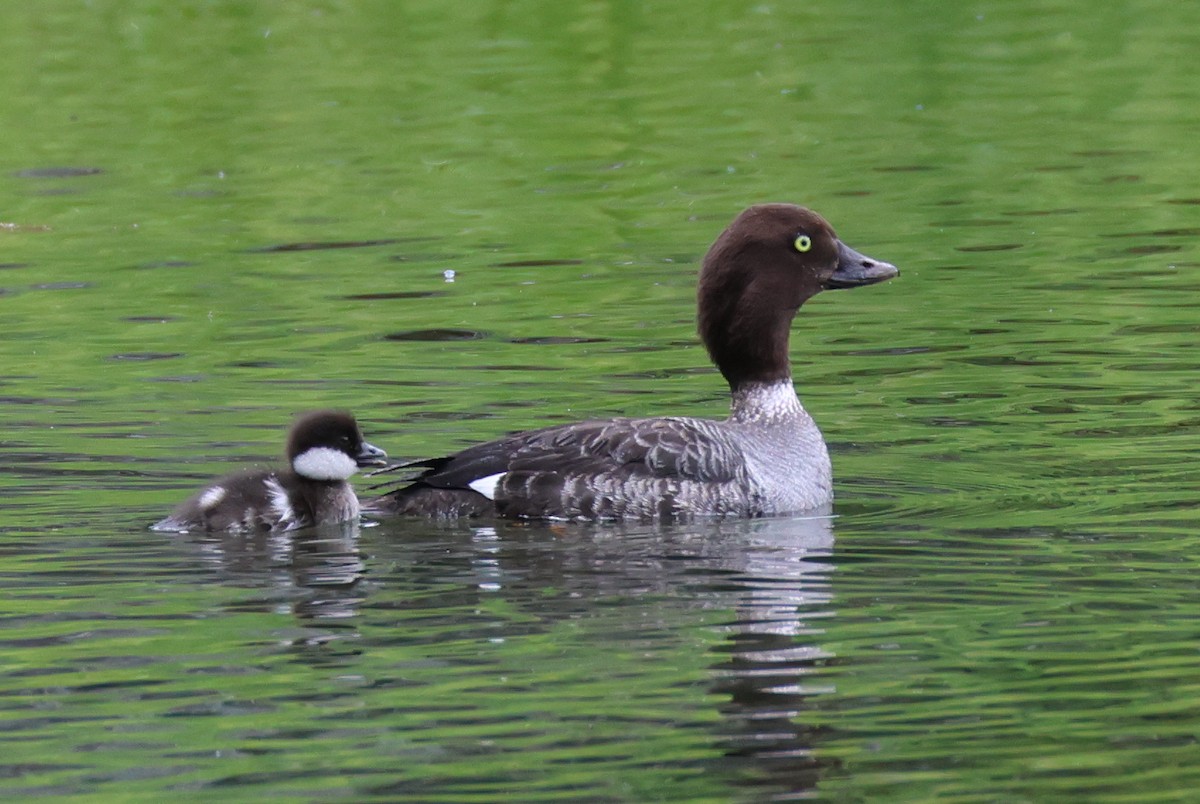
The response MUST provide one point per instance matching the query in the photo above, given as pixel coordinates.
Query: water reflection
(313, 573)
(762, 585)
(750, 595)
(781, 591)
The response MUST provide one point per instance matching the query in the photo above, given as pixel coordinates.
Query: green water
(215, 215)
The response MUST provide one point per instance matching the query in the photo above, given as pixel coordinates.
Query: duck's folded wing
(663, 448)
(615, 467)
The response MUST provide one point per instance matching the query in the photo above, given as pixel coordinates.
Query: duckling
(324, 449)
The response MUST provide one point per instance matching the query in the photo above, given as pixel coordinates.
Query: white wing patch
(210, 498)
(487, 485)
(279, 502)
(324, 463)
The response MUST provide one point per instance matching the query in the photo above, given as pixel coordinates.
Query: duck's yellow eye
(803, 243)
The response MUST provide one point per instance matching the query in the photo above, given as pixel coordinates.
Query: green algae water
(463, 220)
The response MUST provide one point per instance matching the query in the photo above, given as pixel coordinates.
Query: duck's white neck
(753, 402)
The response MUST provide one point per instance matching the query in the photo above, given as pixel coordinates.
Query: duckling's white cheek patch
(323, 463)
(487, 485)
(209, 499)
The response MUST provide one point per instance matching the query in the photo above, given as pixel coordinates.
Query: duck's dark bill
(854, 270)
(369, 455)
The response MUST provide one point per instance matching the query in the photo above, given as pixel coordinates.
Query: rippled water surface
(463, 220)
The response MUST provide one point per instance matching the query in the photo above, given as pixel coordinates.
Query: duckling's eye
(803, 243)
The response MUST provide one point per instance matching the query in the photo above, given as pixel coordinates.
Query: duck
(324, 449)
(767, 458)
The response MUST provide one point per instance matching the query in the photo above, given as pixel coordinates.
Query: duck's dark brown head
(768, 262)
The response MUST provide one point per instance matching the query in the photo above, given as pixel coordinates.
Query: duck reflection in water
(316, 572)
(629, 586)
(760, 587)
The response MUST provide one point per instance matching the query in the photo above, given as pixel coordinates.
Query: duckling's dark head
(328, 445)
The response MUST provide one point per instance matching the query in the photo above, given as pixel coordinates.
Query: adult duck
(767, 458)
